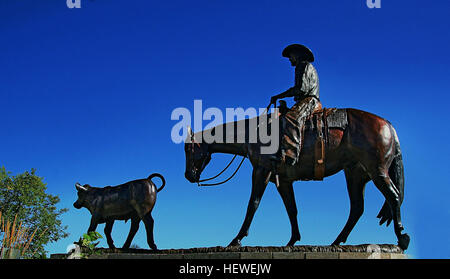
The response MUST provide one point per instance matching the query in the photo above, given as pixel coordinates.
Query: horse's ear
(189, 135)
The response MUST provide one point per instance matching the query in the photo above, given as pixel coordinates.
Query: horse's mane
(240, 130)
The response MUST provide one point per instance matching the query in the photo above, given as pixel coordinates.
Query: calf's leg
(134, 228)
(108, 229)
(149, 223)
(93, 225)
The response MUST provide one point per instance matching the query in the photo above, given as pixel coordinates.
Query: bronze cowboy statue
(315, 143)
(306, 95)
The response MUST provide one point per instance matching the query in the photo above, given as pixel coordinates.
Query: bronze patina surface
(132, 200)
(363, 145)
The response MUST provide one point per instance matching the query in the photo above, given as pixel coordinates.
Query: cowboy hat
(299, 49)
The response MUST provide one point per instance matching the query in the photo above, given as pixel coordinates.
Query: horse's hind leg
(287, 194)
(258, 187)
(384, 183)
(356, 178)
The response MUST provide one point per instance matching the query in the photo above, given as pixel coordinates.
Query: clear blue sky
(86, 95)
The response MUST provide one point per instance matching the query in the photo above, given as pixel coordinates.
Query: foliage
(135, 246)
(16, 238)
(24, 197)
(89, 238)
(87, 243)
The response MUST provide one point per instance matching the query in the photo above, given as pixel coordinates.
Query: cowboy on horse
(306, 95)
(365, 146)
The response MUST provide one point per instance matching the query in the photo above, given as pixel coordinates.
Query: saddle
(317, 125)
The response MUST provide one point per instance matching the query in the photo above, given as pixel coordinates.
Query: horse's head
(197, 157)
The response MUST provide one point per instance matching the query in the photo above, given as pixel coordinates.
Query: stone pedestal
(366, 251)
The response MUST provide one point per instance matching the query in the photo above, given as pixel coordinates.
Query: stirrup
(275, 160)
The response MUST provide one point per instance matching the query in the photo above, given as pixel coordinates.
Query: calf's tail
(160, 177)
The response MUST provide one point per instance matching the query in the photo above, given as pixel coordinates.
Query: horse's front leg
(286, 192)
(259, 184)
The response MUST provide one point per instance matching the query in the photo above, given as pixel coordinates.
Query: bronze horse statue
(366, 149)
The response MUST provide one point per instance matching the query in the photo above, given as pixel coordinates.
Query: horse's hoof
(292, 241)
(235, 243)
(403, 241)
(336, 243)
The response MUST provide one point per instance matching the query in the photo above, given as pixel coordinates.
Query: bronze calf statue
(133, 200)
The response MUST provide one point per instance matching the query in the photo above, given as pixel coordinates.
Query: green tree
(25, 195)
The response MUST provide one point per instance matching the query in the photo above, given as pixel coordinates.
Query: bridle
(199, 182)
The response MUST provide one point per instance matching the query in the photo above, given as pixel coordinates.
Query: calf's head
(85, 196)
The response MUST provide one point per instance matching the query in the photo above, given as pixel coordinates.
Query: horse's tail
(160, 177)
(396, 173)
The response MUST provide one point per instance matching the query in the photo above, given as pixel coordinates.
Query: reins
(224, 181)
(199, 183)
(211, 178)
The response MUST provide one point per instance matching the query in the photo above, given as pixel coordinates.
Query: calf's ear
(79, 187)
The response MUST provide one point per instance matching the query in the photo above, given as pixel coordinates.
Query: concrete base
(366, 251)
